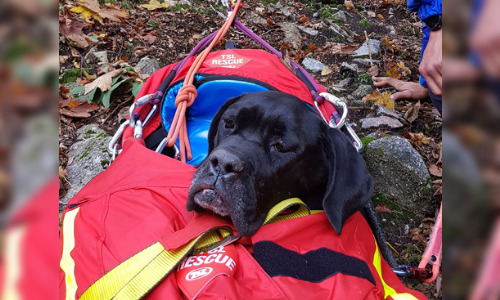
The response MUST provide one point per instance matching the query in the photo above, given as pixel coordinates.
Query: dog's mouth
(208, 198)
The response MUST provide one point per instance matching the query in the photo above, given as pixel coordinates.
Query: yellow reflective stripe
(274, 213)
(388, 291)
(13, 240)
(67, 263)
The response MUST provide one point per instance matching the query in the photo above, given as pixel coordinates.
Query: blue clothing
(425, 9)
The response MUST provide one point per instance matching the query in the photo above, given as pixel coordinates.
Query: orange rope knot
(187, 93)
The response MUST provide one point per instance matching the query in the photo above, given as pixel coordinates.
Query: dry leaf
(436, 170)
(349, 49)
(394, 73)
(154, 4)
(88, 15)
(381, 98)
(373, 71)
(113, 12)
(387, 44)
(326, 71)
(405, 71)
(412, 112)
(149, 38)
(417, 139)
(380, 17)
(304, 19)
(348, 4)
(333, 48)
(382, 208)
(371, 14)
(103, 82)
(81, 111)
(197, 36)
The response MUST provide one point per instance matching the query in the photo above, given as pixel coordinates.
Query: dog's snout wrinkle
(225, 163)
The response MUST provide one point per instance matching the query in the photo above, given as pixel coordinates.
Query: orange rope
(187, 94)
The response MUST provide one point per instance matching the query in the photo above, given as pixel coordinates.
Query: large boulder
(86, 158)
(399, 173)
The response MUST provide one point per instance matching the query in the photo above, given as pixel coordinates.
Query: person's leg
(437, 101)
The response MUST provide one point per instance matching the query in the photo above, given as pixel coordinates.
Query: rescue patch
(196, 271)
(227, 59)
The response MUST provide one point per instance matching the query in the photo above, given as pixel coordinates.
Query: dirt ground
(167, 35)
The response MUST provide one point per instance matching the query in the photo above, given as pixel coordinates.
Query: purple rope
(255, 37)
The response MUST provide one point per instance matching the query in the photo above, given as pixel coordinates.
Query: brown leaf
(436, 170)
(269, 21)
(387, 44)
(394, 73)
(382, 208)
(417, 139)
(304, 19)
(103, 82)
(405, 71)
(348, 4)
(349, 49)
(113, 13)
(81, 111)
(149, 38)
(412, 112)
(381, 98)
(92, 5)
(373, 71)
(380, 17)
(197, 36)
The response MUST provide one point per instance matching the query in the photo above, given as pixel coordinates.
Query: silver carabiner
(335, 101)
(138, 103)
(356, 140)
(138, 129)
(162, 145)
(113, 143)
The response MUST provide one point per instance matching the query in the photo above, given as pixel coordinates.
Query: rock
(313, 65)
(363, 90)
(392, 30)
(399, 173)
(380, 121)
(148, 66)
(257, 19)
(308, 30)
(374, 135)
(86, 158)
(344, 82)
(315, 15)
(340, 15)
(344, 66)
(366, 61)
(363, 50)
(406, 229)
(94, 56)
(292, 34)
(381, 110)
(341, 31)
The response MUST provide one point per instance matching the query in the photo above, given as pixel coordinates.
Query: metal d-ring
(335, 102)
(162, 145)
(113, 143)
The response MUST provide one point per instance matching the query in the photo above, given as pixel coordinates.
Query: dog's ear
(214, 125)
(349, 185)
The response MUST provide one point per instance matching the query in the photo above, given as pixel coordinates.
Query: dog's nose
(225, 163)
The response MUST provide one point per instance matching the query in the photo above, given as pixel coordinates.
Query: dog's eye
(280, 147)
(228, 124)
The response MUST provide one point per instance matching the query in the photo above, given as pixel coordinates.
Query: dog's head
(266, 147)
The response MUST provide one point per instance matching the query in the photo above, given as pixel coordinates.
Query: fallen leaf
(405, 71)
(326, 71)
(382, 208)
(81, 111)
(381, 99)
(394, 73)
(269, 21)
(435, 170)
(348, 4)
(88, 15)
(387, 44)
(349, 49)
(373, 71)
(198, 36)
(412, 112)
(380, 17)
(149, 38)
(154, 4)
(417, 139)
(371, 14)
(103, 82)
(304, 19)
(333, 48)
(112, 12)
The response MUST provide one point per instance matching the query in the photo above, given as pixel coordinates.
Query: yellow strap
(134, 277)
(67, 263)
(388, 290)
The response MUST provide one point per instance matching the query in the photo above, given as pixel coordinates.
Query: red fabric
(36, 251)
(141, 198)
(263, 66)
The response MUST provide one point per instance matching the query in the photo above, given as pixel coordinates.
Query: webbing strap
(137, 275)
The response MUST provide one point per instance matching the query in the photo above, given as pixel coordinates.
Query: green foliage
(70, 76)
(337, 39)
(365, 23)
(365, 78)
(366, 140)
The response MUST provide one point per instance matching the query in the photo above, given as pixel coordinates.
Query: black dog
(266, 147)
